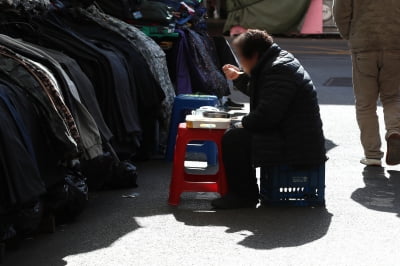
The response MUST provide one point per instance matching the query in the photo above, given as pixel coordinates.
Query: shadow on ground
(109, 217)
(269, 228)
(100, 226)
(381, 191)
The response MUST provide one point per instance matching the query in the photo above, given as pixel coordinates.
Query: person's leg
(236, 148)
(242, 183)
(366, 90)
(389, 82)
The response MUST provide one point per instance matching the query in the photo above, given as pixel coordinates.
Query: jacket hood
(266, 59)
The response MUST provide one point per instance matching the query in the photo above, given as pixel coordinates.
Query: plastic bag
(124, 176)
(98, 170)
(67, 200)
(29, 217)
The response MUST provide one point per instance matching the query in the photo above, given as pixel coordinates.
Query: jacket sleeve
(276, 94)
(343, 13)
(242, 84)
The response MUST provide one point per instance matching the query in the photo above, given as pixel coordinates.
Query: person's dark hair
(252, 42)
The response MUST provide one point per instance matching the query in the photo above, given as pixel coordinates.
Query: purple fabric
(206, 76)
(181, 51)
(193, 65)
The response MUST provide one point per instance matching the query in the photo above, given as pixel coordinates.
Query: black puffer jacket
(284, 113)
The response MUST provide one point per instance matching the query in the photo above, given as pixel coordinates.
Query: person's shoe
(393, 149)
(234, 104)
(371, 162)
(231, 202)
(231, 105)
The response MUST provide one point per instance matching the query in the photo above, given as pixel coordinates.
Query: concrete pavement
(360, 225)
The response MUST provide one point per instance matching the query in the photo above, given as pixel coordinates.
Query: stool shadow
(265, 227)
(381, 191)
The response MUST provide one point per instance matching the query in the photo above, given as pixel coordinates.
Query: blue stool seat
(293, 186)
(184, 104)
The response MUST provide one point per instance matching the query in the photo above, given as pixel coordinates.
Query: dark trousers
(237, 157)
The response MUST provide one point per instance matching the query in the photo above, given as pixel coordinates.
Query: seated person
(284, 124)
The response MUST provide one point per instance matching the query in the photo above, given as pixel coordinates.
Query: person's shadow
(264, 228)
(381, 191)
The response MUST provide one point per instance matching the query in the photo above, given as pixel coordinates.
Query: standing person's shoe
(231, 202)
(371, 162)
(393, 149)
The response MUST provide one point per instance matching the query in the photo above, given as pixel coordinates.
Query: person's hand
(231, 72)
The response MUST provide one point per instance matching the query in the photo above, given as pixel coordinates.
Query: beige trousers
(376, 75)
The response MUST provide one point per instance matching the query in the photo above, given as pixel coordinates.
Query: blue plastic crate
(293, 186)
(183, 105)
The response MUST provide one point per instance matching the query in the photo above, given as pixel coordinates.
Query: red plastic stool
(184, 182)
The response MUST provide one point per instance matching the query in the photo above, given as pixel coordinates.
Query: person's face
(247, 63)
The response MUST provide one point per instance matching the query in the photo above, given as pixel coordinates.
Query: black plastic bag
(28, 218)
(67, 200)
(122, 9)
(7, 232)
(98, 170)
(124, 175)
(106, 171)
(157, 12)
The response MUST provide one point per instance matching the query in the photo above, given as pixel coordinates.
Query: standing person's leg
(242, 183)
(366, 90)
(389, 81)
